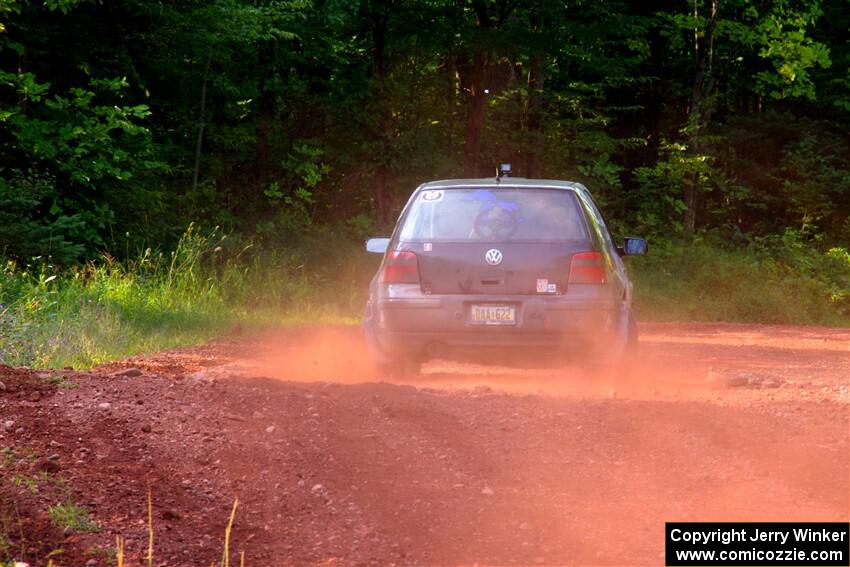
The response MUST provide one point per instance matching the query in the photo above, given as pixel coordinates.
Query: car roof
(502, 182)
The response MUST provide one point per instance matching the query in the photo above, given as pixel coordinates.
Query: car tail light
(401, 266)
(588, 268)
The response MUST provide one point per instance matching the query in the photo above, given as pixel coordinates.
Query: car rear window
(505, 214)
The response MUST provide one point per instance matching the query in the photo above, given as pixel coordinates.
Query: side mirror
(634, 247)
(377, 245)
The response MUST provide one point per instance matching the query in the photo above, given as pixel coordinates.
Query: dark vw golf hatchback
(499, 265)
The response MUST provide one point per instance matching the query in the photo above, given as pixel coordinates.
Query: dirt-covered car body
(477, 265)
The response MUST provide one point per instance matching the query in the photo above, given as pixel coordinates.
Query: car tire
(630, 352)
(615, 358)
(625, 365)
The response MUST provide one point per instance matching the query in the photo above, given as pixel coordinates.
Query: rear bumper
(434, 325)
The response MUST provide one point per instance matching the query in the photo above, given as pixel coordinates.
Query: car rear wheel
(625, 365)
(630, 351)
(618, 355)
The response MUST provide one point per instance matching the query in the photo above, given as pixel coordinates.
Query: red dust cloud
(673, 359)
(563, 464)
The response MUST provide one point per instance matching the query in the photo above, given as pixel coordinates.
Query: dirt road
(467, 465)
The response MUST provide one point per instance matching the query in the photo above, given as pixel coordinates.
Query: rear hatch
(495, 241)
(462, 268)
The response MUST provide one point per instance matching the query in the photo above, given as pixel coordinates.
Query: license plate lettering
(493, 314)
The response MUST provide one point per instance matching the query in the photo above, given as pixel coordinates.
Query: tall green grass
(777, 281)
(108, 310)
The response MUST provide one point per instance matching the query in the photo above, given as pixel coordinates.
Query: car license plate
(493, 315)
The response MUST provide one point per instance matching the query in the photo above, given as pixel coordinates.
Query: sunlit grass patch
(69, 516)
(770, 284)
(109, 310)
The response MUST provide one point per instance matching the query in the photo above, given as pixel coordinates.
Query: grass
(109, 310)
(25, 500)
(32, 500)
(61, 382)
(69, 516)
(780, 283)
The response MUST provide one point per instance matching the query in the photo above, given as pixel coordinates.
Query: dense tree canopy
(121, 122)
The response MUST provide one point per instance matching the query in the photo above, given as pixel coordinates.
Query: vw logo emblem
(493, 257)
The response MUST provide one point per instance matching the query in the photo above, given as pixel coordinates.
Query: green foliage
(779, 280)
(306, 124)
(26, 230)
(777, 171)
(109, 310)
(97, 312)
(815, 181)
(661, 189)
(69, 516)
(771, 43)
(306, 112)
(61, 382)
(82, 157)
(785, 41)
(88, 143)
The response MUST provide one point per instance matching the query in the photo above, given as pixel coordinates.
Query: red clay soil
(464, 465)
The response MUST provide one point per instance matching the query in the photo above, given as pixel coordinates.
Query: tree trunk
(699, 112)
(200, 140)
(475, 116)
(489, 17)
(380, 15)
(264, 122)
(451, 96)
(533, 167)
(690, 197)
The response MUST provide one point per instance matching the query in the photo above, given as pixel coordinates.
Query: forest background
(169, 169)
